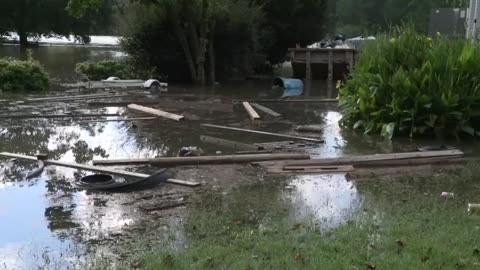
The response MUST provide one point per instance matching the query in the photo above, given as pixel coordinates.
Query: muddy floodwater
(47, 221)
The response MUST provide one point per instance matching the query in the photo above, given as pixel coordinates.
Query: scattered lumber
(314, 129)
(94, 169)
(205, 160)
(266, 110)
(381, 160)
(254, 152)
(265, 133)
(229, 144)
(27, 116)
(288, 100)
(121, 120)
(253, 114)
(156, 112)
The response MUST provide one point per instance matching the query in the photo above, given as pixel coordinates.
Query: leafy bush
(412, 84)
(102, 70)
(22, 75)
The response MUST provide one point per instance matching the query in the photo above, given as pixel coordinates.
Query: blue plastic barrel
(291, 87)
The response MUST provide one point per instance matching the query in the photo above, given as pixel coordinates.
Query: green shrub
(102, 70)
(412, 84)
(22, 75)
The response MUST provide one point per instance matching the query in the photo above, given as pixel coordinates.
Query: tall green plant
(22, 75)
(408, 83)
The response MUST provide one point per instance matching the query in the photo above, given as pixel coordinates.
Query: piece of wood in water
(205, 160)
(254, 152)
(78, 97)
(357, 160)
(121, 120)
(312, 170)
(288, 100)
(266, 110)
(156, 112)
(251, 112)
(26, 116)
(183, 182)
(162, 207)
(265, 133)
(229, 144)
(315, 129)
(171, 104)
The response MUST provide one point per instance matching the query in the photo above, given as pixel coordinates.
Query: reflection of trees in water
(84, 154)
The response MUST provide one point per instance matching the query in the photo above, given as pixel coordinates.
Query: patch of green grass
(401, 227)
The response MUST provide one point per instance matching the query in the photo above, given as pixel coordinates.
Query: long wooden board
(156, 112)
(288, 100)
(96, 169)
(265, 133)
(312, 170)
(205, 160)
(229, 144)
(26, 116)
(171, 104)
(77, 97)
(266, 110)
(251, 112)
(356, 160)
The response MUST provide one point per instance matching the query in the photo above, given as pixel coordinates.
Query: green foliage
(50, 17)
(412, 84)
(19, 75)
(96, 71)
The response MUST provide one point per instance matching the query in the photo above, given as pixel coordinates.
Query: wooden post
(229, 144)
(308, 73)
(350, 59)
(330, 74)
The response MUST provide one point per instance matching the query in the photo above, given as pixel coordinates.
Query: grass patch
(404, 225)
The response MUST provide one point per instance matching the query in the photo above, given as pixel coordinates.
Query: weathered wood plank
(205, 160)
(330, 100)
(265, 133)
(171, 104)
(230, 144)
(183, 182)
(121, 120)
(312, 170)
(266, 110)
(77, 97)
(27, 116)
(156, 112)
(251, 112)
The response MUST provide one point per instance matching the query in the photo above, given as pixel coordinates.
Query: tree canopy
(51, 17)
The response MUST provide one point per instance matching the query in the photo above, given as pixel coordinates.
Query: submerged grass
(403, 225)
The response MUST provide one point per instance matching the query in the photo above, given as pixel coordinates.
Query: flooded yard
(47, 222)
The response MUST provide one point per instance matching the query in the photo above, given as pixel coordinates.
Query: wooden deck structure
(326, 56)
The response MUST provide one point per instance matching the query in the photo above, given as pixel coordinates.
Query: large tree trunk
(211, 55)
(23, 38)
(182, 39)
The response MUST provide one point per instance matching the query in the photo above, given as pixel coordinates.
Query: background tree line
(203, 41)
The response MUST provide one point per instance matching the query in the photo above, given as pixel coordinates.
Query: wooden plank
(383, 160)
(229, 144)
(266, 110)
(156, 112)
(98, 169)
(329, 100)
(265, 133)
(315, 129)
(312, 170)
(26, 116)
(78, 166)
(253, 114)
(121, 120)
(205, 160)
(77, 97)
(254, 152)
(183, 182)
